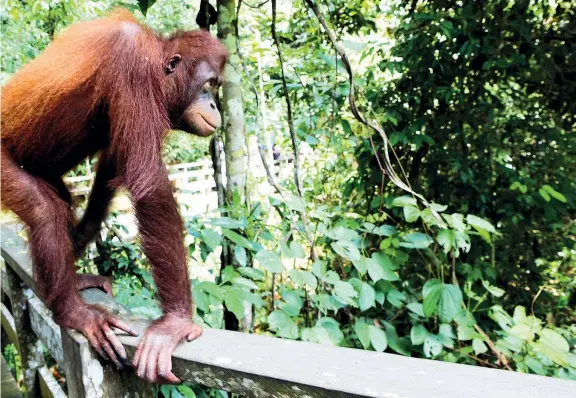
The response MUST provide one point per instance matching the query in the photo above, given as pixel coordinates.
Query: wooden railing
(195, 178)
(251, 365)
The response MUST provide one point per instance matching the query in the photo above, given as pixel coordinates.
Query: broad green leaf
(295, 203)
(270, 261)
(553, 345)
(479, 346)
(246, 283)
(480, 223)
(363, 333)
(416, 240)
(344, 292)
(292, 303)
(418, 334)
(446, 330)
(416, 308)
(377, 270)
(234, 301)
(319, 268)
(367, 297)
(405, 200)
(240, 255)
(346, 249)
(411, 213)
(385, 261)
(441, 298)
(297, 250)
(253, 273)
(281, 323)
(377, 338)
(332, 327)
(535, 365)
(237, 238)
(303, 277)
(432, 346)
(211, 238)
(396, 298)
(361, 265)
(341, 233)
(466, 333)
(186, 391)
(495, 291)
(227, 222)
(446, 239)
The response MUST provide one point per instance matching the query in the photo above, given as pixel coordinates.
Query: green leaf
(281, 323)
(385, 261)
(466, 333)
(405, 200)
(253, 273)
(234, 301)
(341, 233)
(246, 283)
(416, 240)
(441, 298)
(346, 249)
(377, 338)
(362, 331)
(544, 194)
(446, 239)
(396, 298)
(297, 250)
(270, 261)
(361, 265)
(292, 303)
(211, 238)
(411, 213)
(432, 346)
(416, 308)
(240, 255)
(295, 203)
(480, 223)
(479, 346)
(332, 327)
(418, 334)
(303, 277)
(227, 222)
(237, 238)
(319, 268)
(367, 297)
(555, 194)
(344, 292)
(495, 291)
(186, 391)
(554, 346)
(377, 269)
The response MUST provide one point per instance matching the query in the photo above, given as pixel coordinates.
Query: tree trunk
(235, 150)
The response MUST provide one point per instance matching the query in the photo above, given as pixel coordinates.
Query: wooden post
(30, 348)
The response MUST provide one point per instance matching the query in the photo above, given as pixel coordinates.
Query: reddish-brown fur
(101, 86)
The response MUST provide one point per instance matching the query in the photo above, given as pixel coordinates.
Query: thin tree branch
(288, 103)
(361, 118)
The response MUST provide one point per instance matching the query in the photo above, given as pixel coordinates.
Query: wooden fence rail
(251, 365)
